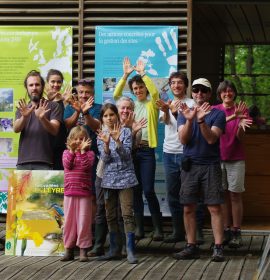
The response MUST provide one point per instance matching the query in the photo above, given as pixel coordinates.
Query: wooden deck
(155, 262)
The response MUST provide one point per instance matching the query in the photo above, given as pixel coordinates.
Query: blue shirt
(197, 148)
(118, 164)
(94, 111)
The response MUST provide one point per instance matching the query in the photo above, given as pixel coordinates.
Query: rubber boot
(139, 231)
(157, 223)
(83, 255)
(131, 248)
(100, 239)
(114, 250)
(178, 233)
(123, 244)
(69, 255)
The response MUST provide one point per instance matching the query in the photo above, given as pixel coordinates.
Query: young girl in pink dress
(78, 161)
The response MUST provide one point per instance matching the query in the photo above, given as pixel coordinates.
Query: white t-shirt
(171, 144)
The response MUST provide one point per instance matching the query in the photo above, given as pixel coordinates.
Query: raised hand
(175, 106)
(75, 103)
(41, 110)
(67, 93)
(140, 67)
(127, 67)
(71, 145)
(240, 110)
(163, 106)
(139, 125)
(85, 145)
(103, 136)
(187, 112)
(116, 132)
(24, 109)
(244, 123)
(87, 105)
(203, 110)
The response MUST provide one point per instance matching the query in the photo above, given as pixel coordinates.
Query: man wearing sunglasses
(199, 130)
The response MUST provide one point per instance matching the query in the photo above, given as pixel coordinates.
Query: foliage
(248, 66)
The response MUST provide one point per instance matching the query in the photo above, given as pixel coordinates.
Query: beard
(34, 98)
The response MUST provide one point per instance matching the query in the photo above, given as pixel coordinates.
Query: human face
(227, 96)
(201, 94)
(55, 83)
(109, 118)
(140, 91)
(78, 140)
(34, 88)
(178, 87)
(84, 93)
(124, 109)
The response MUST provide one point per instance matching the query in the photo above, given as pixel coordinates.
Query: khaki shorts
(233, 175)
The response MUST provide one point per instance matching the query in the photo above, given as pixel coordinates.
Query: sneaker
(188, 253)
(236, 240)
(218, 254)
(227, 237)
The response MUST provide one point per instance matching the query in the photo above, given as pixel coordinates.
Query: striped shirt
(78, 173)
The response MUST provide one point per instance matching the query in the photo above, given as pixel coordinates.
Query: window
(248, 66)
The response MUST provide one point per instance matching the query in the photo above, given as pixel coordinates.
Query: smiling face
(55, 83)
(140, 91)
(84, 93)
(201, 94)
(124, 109)
(78, 139)
(34, 88)
(178, 87)
(227, 96)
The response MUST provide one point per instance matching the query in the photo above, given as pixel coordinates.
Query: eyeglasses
(200, 89)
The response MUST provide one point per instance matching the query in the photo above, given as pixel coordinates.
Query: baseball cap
(203, 82)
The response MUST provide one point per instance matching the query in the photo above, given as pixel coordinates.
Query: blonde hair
(77, 130)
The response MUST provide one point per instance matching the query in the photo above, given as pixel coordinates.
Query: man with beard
(38, 122)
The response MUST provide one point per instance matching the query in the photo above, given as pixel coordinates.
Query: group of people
(108, 156)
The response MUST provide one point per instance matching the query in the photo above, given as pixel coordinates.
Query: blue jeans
(145, 168)
(172, 168)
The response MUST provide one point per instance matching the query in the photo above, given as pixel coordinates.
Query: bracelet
(200, 122)
(86, 113)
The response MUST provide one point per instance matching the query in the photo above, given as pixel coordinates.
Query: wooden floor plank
(85, 269)
(32, 268)
(143, 268)
(214, 270)
(233, 268)
(159, 270)
(195, 272)
(17, 268)
(249, 268)
(178, 270)
(124, 269)
(103, 272)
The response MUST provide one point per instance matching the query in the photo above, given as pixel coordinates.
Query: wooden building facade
(205, 27)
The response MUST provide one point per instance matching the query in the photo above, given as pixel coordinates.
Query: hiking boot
(218, 254)
(236, 240)
(83, 255)
(188, 253)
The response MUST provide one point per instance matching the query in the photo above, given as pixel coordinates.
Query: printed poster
(22, 49)
(157, 47)
(35, 217)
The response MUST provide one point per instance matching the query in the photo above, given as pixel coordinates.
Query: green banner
(22, 49)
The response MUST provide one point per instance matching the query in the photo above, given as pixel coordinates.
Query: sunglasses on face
(200, 89)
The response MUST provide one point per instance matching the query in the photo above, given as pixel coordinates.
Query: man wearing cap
(199, 131)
